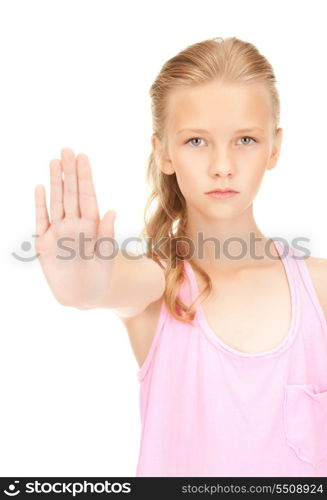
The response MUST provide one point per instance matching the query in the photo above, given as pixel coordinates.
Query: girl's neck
(229, 245)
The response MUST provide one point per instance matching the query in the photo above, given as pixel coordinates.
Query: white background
(77, 74)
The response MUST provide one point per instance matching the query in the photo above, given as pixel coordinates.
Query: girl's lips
(222, 194)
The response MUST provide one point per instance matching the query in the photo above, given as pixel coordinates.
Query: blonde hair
(229, 60)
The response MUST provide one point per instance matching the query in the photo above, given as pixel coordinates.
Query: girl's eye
(246, 137)
(244, 144)
(193, 139)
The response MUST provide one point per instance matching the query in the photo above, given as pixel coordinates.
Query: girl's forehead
(234, 105)
(228, 95)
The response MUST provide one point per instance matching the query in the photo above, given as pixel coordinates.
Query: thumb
(105, 248)
(106, 226)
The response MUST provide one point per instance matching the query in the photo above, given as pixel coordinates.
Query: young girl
(228, 326)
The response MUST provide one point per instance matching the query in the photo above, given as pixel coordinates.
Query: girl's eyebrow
(201, 130)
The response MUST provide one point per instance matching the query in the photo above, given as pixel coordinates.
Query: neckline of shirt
(201, 320)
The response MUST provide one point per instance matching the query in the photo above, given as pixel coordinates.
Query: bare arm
(135, 283)
(318, 271)
(74, 246)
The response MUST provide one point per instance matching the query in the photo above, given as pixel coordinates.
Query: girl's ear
(277, 141)
(162, 160)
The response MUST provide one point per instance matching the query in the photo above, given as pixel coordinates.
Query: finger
(71, 202)
(41, 213)
(56, 193)
(87, 198)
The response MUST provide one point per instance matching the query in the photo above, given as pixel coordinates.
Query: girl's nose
(222, 165)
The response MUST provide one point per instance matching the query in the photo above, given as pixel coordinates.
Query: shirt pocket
(305, 422)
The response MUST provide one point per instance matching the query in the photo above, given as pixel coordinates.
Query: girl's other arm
(317, 267)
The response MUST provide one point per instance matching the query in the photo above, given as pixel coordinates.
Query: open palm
(75, 247)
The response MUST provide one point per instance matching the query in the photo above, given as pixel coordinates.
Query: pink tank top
(208, 409)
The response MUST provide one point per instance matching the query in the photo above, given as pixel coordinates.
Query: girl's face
(219, 136)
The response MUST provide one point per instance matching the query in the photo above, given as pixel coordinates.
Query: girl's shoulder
(317, 268)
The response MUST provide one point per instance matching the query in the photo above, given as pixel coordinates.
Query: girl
(230, 328)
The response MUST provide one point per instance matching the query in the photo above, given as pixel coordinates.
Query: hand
(78, 273)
